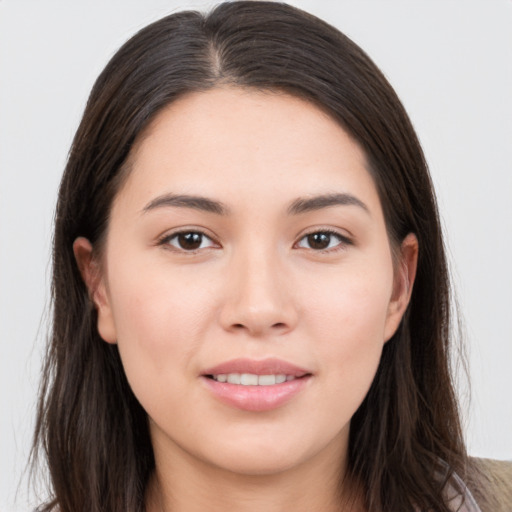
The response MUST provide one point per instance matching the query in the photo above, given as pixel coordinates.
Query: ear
(405, 273)
(94, 280)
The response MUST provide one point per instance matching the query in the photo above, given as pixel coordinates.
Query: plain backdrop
(450, 62)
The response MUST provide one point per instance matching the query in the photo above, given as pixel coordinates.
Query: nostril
(277, 325)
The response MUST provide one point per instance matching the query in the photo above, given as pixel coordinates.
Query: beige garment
(487, 487)
(490, 484)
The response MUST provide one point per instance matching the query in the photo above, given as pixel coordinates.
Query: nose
(259, 299)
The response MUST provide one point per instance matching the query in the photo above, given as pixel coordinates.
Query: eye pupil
(190, 241)
(319, 240)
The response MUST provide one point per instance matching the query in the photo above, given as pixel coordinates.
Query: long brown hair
(405, 438)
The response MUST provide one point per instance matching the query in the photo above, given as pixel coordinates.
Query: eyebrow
(187, 201)
(304, 205)
(300, 205)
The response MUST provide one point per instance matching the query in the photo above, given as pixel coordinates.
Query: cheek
(160, 320)
(351, 305)
(347, 322)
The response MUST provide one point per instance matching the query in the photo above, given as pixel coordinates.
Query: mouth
(252, 379)
(256, 386)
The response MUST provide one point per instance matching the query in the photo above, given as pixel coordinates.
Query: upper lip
(269, 366)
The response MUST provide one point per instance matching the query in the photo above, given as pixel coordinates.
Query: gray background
(450, 62)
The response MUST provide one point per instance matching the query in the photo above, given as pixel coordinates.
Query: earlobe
(94, 280)
(405, 274)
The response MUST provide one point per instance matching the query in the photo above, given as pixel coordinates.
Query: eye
(323, 240)
(188, 241)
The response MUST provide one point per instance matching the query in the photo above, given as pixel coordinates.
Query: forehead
(230, 141)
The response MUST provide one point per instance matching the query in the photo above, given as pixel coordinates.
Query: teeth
(250, 379)
(266, 380)
(234, 378)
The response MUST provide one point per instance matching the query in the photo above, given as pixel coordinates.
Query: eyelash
(166, 239)
(344, 241)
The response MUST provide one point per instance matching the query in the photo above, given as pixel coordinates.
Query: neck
(195, 486)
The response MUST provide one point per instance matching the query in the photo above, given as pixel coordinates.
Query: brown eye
(319, 240)
(322, 240)
(189, 241)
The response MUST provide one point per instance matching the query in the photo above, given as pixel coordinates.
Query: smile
(251, 379)
(256, 385)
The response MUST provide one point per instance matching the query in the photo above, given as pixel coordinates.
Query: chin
(257, 464)
(264, 456)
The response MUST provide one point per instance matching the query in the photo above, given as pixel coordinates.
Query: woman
(251, 302)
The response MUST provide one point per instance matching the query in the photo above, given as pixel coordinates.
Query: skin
(255, 288)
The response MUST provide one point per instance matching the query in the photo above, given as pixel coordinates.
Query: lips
(255, 367)
(253, 385)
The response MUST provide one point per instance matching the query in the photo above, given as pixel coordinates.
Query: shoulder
(490, 482)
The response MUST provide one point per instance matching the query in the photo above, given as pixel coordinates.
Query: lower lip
(256, 398)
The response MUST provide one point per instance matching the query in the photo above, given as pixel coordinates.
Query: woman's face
(248, 239)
